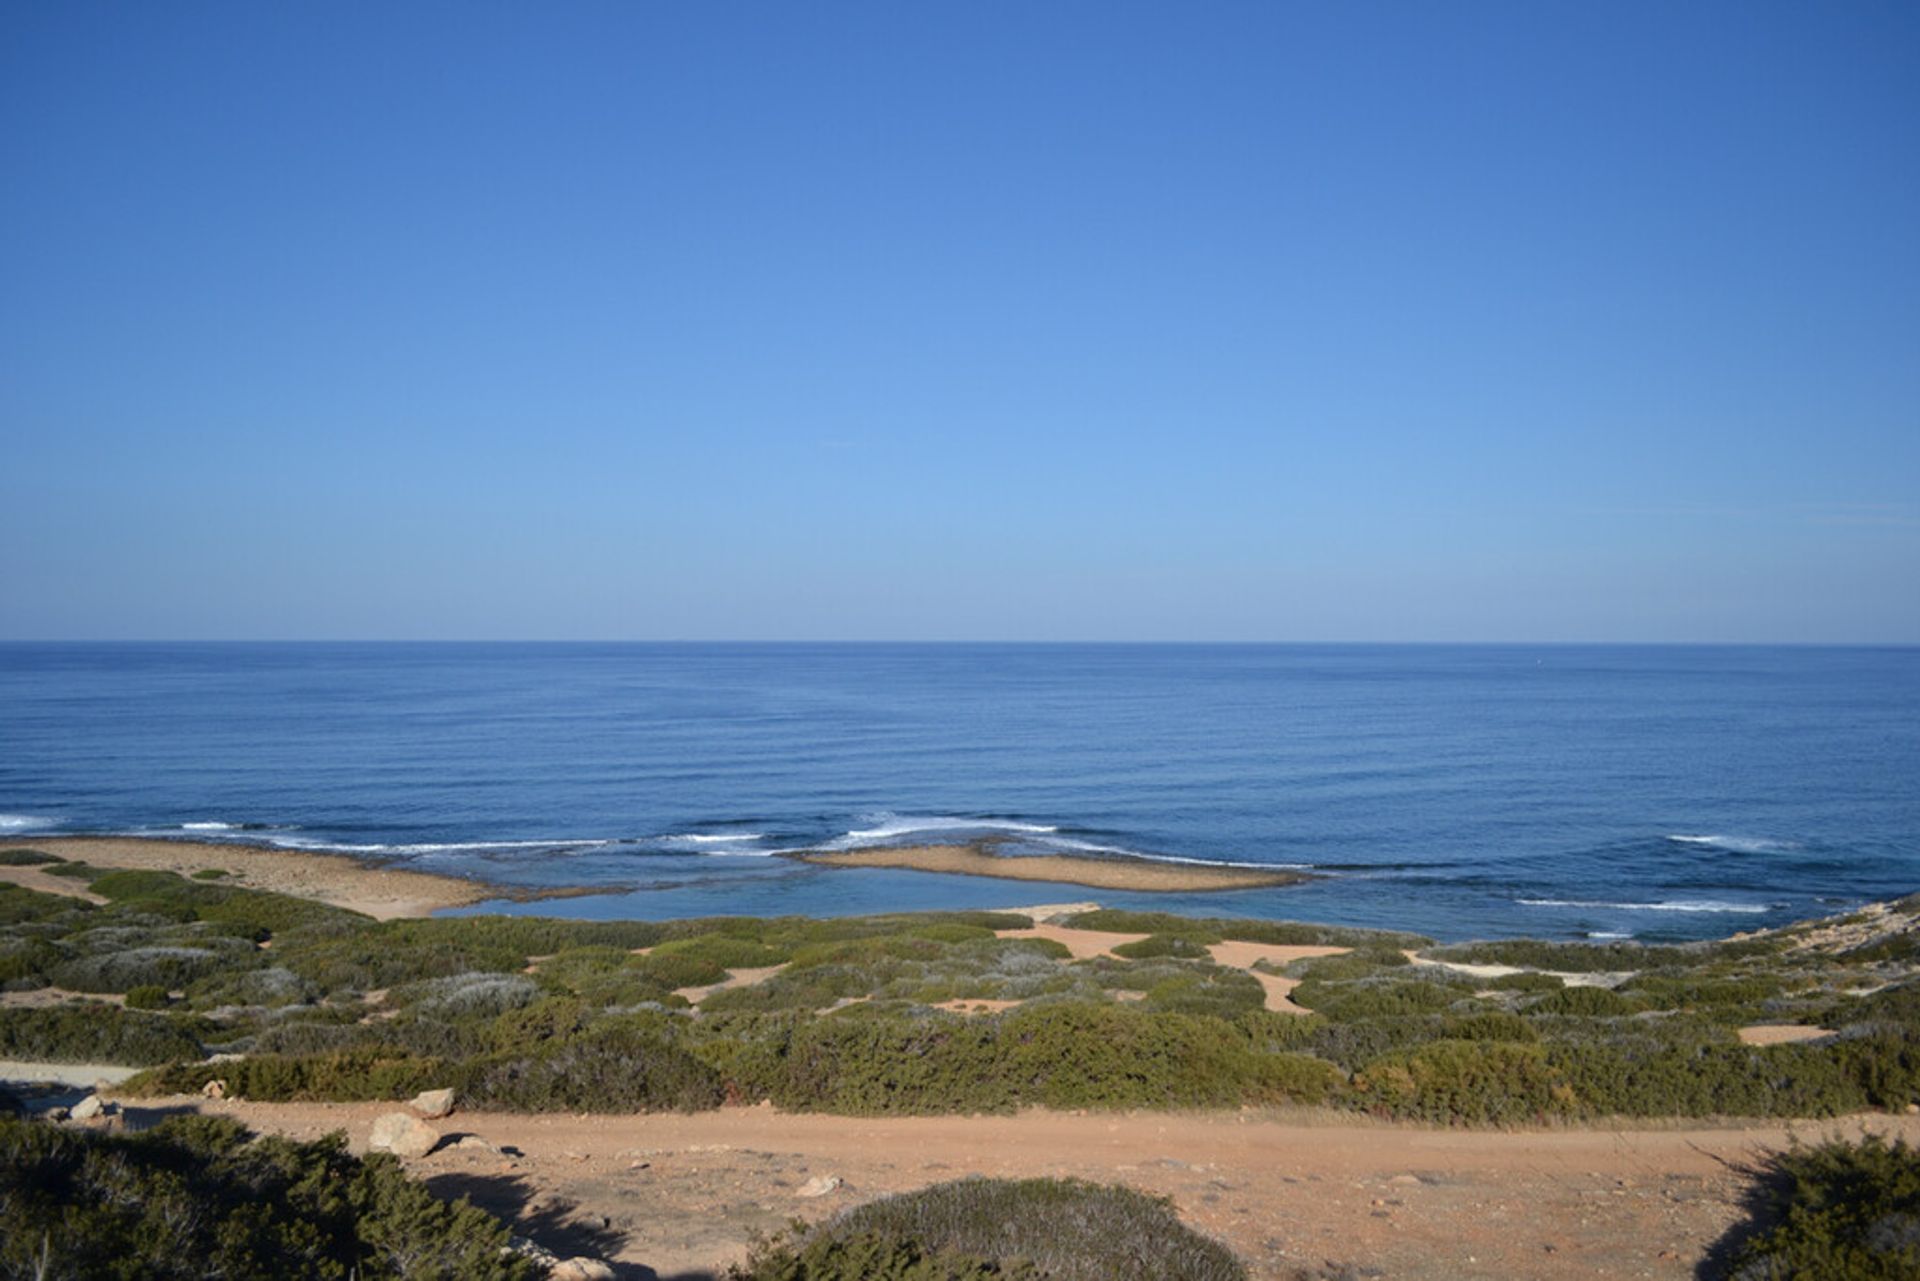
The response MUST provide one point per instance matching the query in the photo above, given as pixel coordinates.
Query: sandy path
(745, 977)
(680, 1196)
(33, 878)
(380, 892)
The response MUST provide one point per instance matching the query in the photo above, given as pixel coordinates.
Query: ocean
(1469, 791)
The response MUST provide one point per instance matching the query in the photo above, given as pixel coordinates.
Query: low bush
(353, 1076)
(193, 1198)
(1586, 1003)
(1483, 1081)
(1348, 1002)
(27, 858)
(1526, 981)
(1842, 1210)
(1058, 1229)
(257, 912)
(612, 1067)
(1158, 945)
(19, 904)
(94, 1033)
(165, 967)
(148, 996)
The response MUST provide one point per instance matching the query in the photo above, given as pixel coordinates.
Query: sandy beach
(383, 893)
(1095, 873)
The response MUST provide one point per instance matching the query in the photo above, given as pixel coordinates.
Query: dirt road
(1294, 1193)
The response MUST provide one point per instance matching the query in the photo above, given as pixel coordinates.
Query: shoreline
(341, 880)
(1134, 874)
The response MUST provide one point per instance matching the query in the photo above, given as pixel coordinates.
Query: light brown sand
(683, 1195)
(1082, 943)
(1781, 1033)
(1097, 873)
(744, 977)
(44, 882)
(380, 892)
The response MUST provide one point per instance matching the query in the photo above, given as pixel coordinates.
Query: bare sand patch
(1082, 943)
(380, 892)
(1286, 1190)
(45, 882)
(1781, 1033)
(746, 976)
(974, 1005)
(1242, 956)
(1096, 873)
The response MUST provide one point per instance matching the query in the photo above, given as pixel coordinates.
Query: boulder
(820, 1186)
(403, 1134)
(88, 1108)
(214, 1090)
(581, 1268)
(433, 1104)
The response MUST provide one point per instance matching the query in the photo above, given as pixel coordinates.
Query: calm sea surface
(1462, 791)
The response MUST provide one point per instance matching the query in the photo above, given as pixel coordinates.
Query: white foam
(299, 843)
(209, 827)
(1738, 844)
(1609, 934)
(22, 822)
(710, 838)
(1678, 905)
(891, 827)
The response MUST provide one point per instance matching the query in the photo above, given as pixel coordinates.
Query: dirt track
(681, 1196)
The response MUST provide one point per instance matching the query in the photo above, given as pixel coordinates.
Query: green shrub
(721, 950)
(165, 967)
(1360, 963)
(77, 871)
(19, 904)
(27, 858)
(211, 874)
(1347, 1002)
(149, 996)
(1585, 1002)
(1840, 1210)
(349, 1077)
(192, 1198)
(1059, 1229)
(611, 1067)
(258, 913)
(94, 1033)
(1483, 1081)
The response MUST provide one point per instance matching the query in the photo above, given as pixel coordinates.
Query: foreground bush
(93, 1033)
(1847, 1211)
(194, 1198)
(1058, 1229)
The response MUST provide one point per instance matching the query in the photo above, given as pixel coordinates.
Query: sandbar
(383, 893)
(1096, 873)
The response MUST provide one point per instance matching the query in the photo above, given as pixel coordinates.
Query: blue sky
(1223, 321)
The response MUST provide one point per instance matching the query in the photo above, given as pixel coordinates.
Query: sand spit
(1096, 873)
(342, 880)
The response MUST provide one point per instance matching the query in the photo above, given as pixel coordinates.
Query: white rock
(403, 1134)
(820, 1186)
(581, 1268)
(433, 1104)
(88, 1108)
(214, 1089)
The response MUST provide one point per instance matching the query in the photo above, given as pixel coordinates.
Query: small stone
(433, 1104)
(818, 1186)
(403, 1134)
(474, 1143)
(214, 1090)
(88, 1108)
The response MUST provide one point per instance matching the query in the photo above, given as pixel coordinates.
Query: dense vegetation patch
(1846, 1211)
(859, 1015)
(1059, 1229)
(195, 1198)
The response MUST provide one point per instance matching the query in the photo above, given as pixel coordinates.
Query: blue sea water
(1462, 791)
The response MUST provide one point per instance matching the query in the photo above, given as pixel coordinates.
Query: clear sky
(1238, 321)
